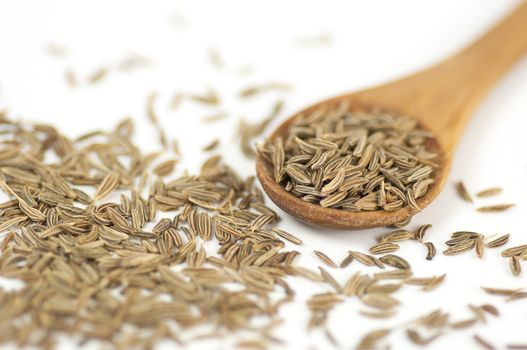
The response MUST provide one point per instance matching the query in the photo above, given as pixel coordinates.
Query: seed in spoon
(336, 159)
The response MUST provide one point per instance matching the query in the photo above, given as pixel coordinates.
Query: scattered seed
(325, 259)
(256, 89)
(431, 250)
(514, 263)
(395, 261)
(498, 242)
(98, 75)
(370, 340)
(417, 339)
(420, 234)
(489, 192)
(482, 342)
(463, 193)
(383, 248)
(463, 324)
(514, 251)
(165, 168)
(495, 208)
(211, 146)
(397, 236)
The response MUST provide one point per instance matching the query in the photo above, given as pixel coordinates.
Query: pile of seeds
(97, 268)
(353, 161)
(109, 249)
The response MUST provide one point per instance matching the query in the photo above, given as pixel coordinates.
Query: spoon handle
(444, 96)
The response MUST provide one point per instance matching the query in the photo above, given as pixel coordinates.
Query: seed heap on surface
(99, 269)
(113, 270)
(353, 161)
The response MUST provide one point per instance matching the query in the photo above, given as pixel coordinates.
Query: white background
(372, 42)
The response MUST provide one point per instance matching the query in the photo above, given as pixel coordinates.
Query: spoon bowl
(316, 215)
(441, 99)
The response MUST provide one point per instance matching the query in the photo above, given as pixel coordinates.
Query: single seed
(461, 247)
(395, 261)
(489, 192)
(491, 309)
(463, 324)
(431, 250)
(482, 342)
(325, 259)
(498, 242)
(383, 248)
(518, 250)
(463, 193)
(495, 208)
(395, 274)
(417, 339)
(347, 260)
(420, 234)
(211, 146)
(514, 263)
(396, 236)
(480, 246)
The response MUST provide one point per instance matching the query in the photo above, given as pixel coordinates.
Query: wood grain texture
(442, 99)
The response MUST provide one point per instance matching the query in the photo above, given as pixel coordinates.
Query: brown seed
(493, 191)
(330, 279)
(364, 259)
(395, 274)
(515, 266)
(287, 236)
(491, 309)
(325, 259)
(463, 324)
(514, 251)
(210, 97)
(370, 340)
(347, 260)
(483, 343)
(378, 314)
(395, 261)
(495, 208)
(431, 250)
(98, 75)
(416, 338)
(215, 117)
(211, 146)
(397, 236)
(383, 248)
(165, 168)
(480, 246)
(498, 242)
(253, 90)
(434, 320)
(502, 291)
(461, 247)
(108, 185)
(463, 193)
(428, 283)
(420, 234)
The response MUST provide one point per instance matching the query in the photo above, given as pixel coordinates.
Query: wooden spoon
(441, 98)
